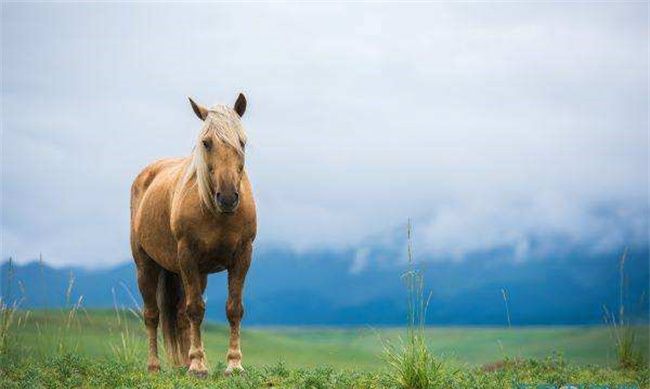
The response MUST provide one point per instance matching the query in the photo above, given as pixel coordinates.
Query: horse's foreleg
(194, 284)
(234, 307)
(148, 272)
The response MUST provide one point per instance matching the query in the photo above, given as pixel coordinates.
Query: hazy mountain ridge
(284, 287)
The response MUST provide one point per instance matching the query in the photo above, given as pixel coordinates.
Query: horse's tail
(175, 327)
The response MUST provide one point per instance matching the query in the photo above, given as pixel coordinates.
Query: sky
(490, 125)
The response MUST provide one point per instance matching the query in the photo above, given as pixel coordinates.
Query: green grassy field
(97, 333)
(352, 356)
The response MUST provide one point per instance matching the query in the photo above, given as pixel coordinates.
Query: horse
(191, 217)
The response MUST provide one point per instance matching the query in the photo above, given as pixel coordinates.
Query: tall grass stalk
(412, 364)
(11, 318)
(129, 346)
(624, 333)
(71, 319)
(506, 297)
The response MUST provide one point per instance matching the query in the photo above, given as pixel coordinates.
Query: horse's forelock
(225, 123)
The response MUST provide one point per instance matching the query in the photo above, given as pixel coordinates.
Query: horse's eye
(210, 169)
(207, 144)
(243, 145)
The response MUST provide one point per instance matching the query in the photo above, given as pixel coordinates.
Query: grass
(68, 369)
(48, 349)
(411, 362)
(95, 334)
(624, 334)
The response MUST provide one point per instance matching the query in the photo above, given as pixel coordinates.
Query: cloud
(360, 261)
(545, 226)
(490, 124)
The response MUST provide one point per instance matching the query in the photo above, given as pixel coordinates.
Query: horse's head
(219, 154)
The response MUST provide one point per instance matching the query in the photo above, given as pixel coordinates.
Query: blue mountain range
(323, 288)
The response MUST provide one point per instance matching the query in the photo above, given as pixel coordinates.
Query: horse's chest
(218, 249)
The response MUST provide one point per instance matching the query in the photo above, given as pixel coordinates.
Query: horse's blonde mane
(225, 124)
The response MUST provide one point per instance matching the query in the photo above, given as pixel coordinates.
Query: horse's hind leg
(148, 272)
(234, 307)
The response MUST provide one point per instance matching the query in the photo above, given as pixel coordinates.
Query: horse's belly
(213, 268)
(162, 252)
(154, 232)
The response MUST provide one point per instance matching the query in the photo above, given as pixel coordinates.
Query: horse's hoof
(153, 368)
(198, 373)
(231, 370)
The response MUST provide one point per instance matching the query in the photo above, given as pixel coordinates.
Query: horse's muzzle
(227, 202)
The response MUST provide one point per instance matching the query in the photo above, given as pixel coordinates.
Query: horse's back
(151, 193)
(147, 176)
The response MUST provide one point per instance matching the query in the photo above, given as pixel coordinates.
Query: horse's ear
(199, 110)
(240, 105)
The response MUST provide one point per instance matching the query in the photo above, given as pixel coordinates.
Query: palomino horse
(190, 217)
